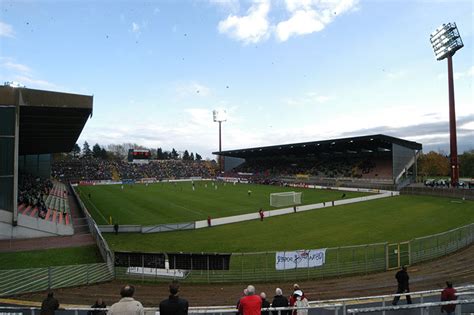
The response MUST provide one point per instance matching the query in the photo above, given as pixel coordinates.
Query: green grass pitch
(384, 220)
(50, 257)
(173, 203)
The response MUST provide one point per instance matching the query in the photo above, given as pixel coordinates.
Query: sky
(285, 71)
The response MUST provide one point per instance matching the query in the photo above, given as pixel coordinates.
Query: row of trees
(437, 164)
(120, 151)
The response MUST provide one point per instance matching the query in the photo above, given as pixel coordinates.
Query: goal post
(284, 199)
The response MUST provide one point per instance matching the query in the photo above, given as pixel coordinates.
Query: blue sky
(285, 70)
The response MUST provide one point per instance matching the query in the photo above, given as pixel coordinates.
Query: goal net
(283, 199)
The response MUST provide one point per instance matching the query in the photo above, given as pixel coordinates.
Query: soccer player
(249, 192)
(261, 213)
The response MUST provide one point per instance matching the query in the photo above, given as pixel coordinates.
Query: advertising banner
(300, 259)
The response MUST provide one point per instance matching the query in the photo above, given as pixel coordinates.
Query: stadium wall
(402, 158)
(30, 227)
(458, 193)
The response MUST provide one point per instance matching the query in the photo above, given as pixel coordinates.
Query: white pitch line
(98, 211)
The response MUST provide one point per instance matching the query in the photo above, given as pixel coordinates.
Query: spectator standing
(49, 305)
(280, 301)
(261, 214)
(127, 304)
(448, 294)
(265, 303)
(174, 305)
(99, 303)
(209, 221)
(403, 285)
(300, 301)
(250, 304)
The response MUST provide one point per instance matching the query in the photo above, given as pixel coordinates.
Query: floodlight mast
(220, 115)
(446, 41)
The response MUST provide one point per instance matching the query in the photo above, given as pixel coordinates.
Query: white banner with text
(300, 259)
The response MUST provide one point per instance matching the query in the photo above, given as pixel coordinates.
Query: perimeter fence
(40, 279)
(339, 261)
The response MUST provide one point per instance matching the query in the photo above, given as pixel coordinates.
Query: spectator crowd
(76, 169)
(32, 191)
(250, 303)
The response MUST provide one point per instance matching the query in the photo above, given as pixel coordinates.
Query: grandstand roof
(50, 122)
(363, 144)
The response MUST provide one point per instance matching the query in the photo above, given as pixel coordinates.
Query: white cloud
(192, 88)
(16, 67)
(309, 16)
(308, 99)
(396, 74)
(135, 28)
(458, 75)
(251, 28)
(6, 30)
(30, 82)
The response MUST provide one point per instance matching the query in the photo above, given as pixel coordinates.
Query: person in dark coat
(49, 305)
(99, 303)
(403, 285)
(280, 301)
(174, 305)
(265, 303)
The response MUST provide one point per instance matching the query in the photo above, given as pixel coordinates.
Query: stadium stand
(367, 161)
(43, 199)
(76, 169)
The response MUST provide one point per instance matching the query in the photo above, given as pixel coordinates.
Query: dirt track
(458, 267)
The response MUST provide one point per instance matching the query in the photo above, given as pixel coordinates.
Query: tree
(103, 154)
(166, 155)
(76, 150)
(174, 155)
(185, 155)
(433, 164)
(198, 157)
(86, 150)
(97, 151)
(159, 154)
(191, 157)
(466, 164)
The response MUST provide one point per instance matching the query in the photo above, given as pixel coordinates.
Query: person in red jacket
(250, 304)
(448, 294)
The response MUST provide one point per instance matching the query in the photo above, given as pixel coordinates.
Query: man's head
(250, 290)
(296, 287)
(127, 291)
(50, 294)
(263, 295)
(174, 287)
(404, 268)
(278, 291)
(449, 284)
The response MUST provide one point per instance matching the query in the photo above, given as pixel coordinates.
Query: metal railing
(39, 279)
(104, 249)
(367, 304)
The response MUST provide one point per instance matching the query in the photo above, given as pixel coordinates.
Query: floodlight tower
(220, 115)
(446, 41)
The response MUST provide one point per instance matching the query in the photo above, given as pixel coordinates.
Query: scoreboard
(139, 156)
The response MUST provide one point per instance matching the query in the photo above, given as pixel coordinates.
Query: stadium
(329, 198)
(153, 229)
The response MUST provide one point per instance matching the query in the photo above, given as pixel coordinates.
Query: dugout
(33, 125)
(184, 261)
(397, 156)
